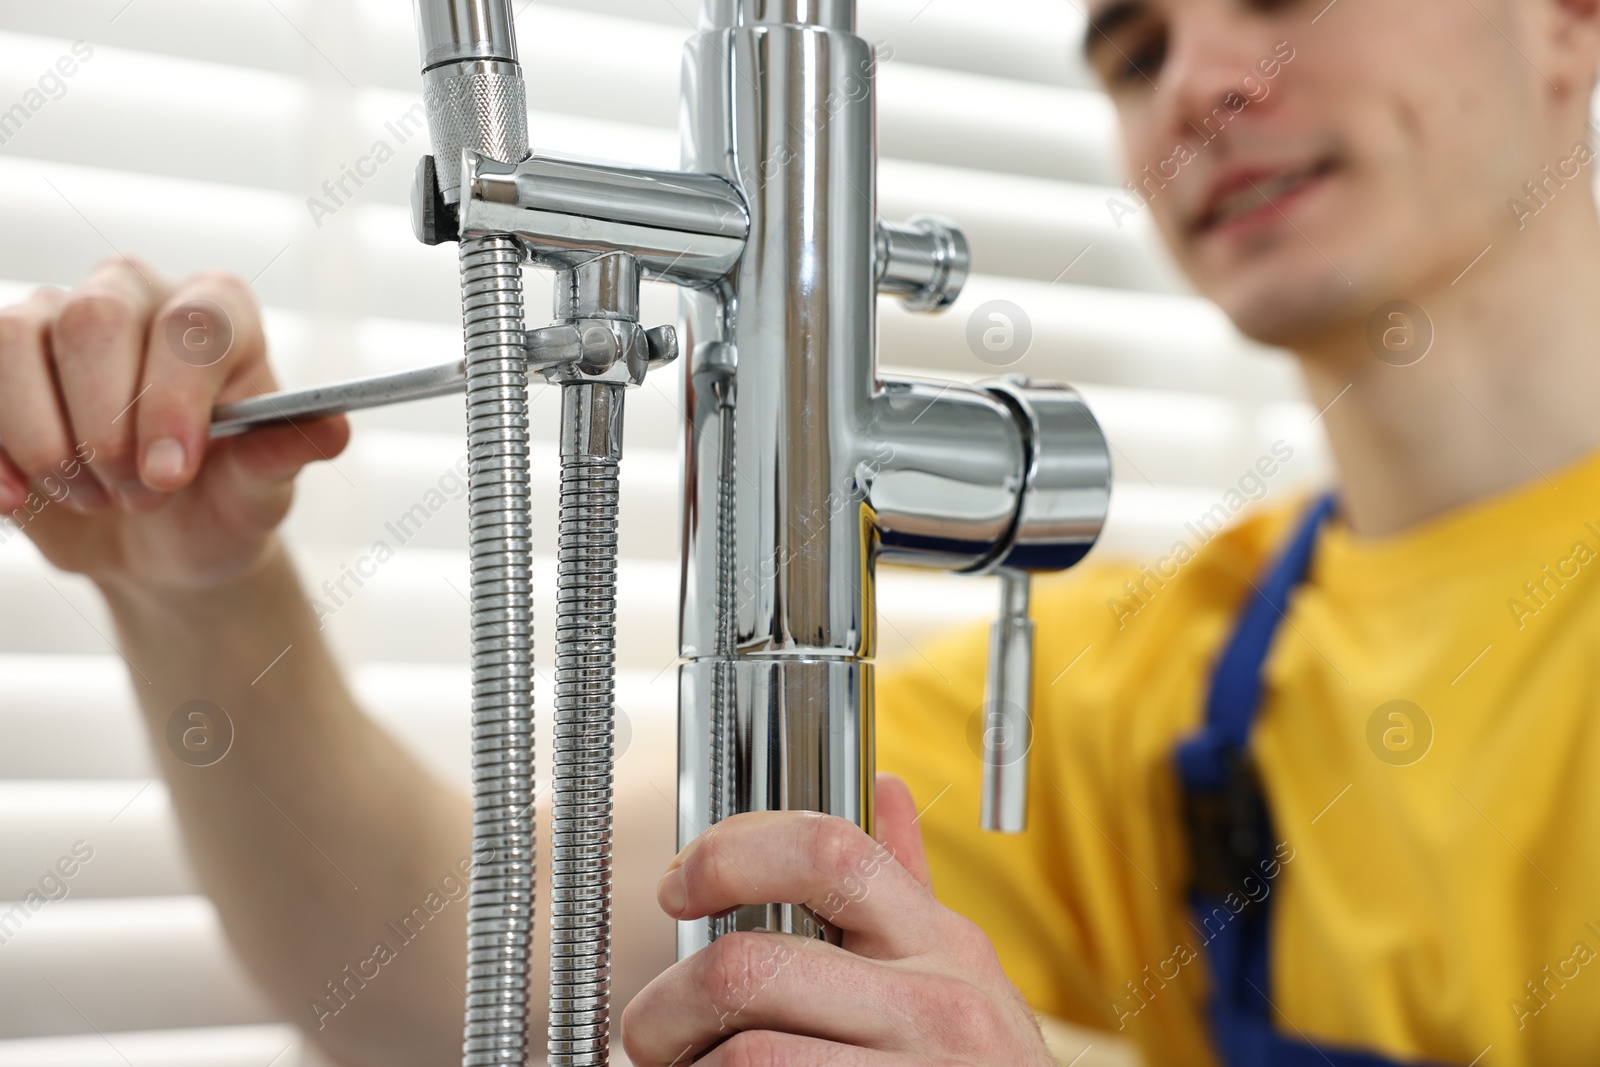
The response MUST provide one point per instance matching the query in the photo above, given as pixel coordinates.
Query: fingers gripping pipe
(500, 902)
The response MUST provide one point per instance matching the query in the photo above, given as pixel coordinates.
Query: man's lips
(1255, 193)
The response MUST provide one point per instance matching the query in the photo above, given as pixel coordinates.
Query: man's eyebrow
(1107, 21)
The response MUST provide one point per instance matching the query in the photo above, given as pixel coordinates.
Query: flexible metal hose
(727, 602)
(580, 850)
(500, 901)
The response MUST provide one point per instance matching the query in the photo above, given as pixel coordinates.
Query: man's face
(1307, 161)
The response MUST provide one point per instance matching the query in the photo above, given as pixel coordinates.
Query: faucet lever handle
(1007, 710)
(663, 342)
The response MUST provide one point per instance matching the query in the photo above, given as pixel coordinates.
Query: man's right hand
(106, 396)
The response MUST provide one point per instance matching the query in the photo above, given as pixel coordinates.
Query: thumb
(895, 814)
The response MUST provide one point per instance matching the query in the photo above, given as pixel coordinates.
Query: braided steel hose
(580, 850)
(500, 900)
(723, 674)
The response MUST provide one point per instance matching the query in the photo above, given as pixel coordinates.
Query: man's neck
(1506, 395)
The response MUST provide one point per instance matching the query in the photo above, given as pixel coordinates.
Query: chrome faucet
(804, 468)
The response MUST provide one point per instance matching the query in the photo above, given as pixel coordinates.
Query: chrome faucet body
(804, 468)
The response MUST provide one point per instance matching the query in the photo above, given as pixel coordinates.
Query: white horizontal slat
(76, 966)
(930, 115)
(213, 1046)
(155, 114)
(72, 718)
(1030, 40)
(116, 836)
(142, 109)
(63, 219)
(408, 490)
(121, 829)
(235, 32)
(1088, 335)
(1025, 227)
(69, 717)
(1033, 40)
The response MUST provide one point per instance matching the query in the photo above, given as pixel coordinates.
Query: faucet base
(795, 735)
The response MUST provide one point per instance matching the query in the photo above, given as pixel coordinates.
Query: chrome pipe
(821, 468)
(796, 321)
(728, 14)
(924, 260)
(450, 31)
(684, 228)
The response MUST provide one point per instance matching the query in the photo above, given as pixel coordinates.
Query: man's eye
(1141, 60)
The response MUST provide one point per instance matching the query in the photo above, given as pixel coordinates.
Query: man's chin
(1290, 312)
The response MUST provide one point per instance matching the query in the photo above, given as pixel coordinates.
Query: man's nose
(1209, 60)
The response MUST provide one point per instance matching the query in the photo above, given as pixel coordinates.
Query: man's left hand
(911, 983)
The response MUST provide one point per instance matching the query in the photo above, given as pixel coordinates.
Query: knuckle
(704, 868)
(837, 848)
(967, 1017)
(631, 1043)
(967, 940)
(233, 311)
(729, 976)
(218, 280)
(964, 936)
(90, 319)
(116, 261)
(754, 1048)
(125, 265)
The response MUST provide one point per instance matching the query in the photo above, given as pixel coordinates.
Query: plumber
(1323, 801)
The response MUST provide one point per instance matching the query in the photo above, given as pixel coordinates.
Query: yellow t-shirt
(1441, 895)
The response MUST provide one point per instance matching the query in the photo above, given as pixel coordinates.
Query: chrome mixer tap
(804, 468)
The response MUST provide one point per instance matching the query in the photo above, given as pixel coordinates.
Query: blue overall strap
(1230, 830)
(1236, 679)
